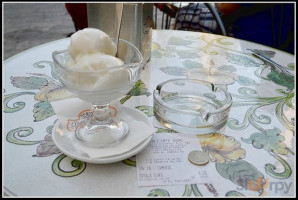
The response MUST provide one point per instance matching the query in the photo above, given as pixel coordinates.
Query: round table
(255, 155)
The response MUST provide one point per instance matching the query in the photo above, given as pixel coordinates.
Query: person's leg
(78, 13)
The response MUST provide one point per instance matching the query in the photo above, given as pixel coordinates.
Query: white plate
(63, 145)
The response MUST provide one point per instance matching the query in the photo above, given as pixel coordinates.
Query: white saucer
(65, 146)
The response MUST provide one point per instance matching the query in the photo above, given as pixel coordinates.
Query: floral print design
(221, 75)
(221, 148)
(224, 151)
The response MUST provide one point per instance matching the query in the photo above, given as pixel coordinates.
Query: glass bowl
(191, 106)
(100, 87)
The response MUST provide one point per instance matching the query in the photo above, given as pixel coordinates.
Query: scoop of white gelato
(95, 62)
(103, 77)
(89, 41)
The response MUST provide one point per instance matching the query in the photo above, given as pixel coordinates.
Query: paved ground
(28, 25)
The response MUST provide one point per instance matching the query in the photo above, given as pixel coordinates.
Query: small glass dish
(191, 106)
(99, 87)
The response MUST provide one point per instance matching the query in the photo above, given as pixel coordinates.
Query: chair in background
(201, 17)
(191, 17)
(270, 24)
(168, 12)
(217, 18)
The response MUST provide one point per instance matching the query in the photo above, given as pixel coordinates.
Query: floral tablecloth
(255, 156)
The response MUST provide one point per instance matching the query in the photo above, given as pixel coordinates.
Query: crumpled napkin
(69, 111)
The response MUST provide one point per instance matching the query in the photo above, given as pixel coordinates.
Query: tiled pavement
(26, 25)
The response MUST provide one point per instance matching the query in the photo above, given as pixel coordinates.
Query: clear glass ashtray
(191, 106)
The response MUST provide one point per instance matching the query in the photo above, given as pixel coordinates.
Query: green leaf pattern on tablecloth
(291, 66)
(187, 55)
(174, 71)
(246, 81)
(241, 60)
(233, 194)
(28, 83)
(156, 54)
(17, 106)
(158, 193)
(79, 165)
(192, 188)
(42, 110)
(138, 89)
(130, 161)
(148, 110)
(270, 141)
(177, 41)
(43, 64)
(243, 174)
(270, 168)
(165, 130)
(282, 79)
(14, 136)
(229, 68)
(189, 64)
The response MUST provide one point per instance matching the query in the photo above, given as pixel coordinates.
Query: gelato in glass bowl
(191, 106)
(100, 87)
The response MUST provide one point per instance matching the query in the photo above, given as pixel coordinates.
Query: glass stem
(101, 114)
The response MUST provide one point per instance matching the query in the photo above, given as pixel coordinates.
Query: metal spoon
(278, 67)
(119, 11)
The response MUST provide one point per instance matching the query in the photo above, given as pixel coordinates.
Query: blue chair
(181, 16)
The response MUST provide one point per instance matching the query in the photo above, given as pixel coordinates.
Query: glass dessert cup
(101, 87)
(191, 106)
